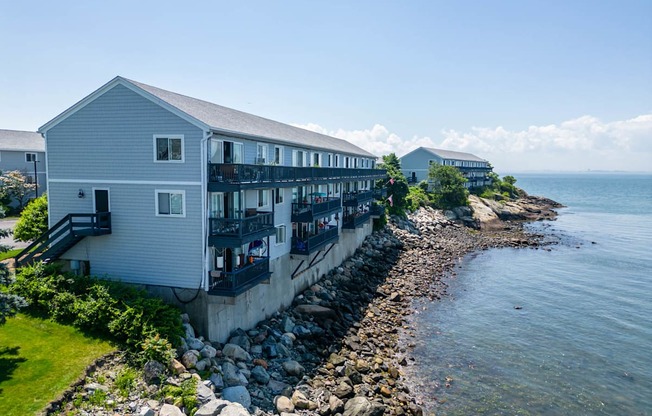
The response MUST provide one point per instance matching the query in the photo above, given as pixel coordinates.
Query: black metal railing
(356, 198)
(380, 193)
(314, 242)
(241, 227)
(240, 279)
(238, 173)
(307, 211)
(377, 210)
(353, 221)
(63, 235)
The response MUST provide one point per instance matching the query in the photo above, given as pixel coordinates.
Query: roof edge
(118, 80)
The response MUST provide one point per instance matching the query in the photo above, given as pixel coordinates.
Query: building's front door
(101, 200)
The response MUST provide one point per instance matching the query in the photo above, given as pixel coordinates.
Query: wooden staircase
(63, 236)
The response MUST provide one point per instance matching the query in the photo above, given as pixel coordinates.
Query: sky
(528, 85)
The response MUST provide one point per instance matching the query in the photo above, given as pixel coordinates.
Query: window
(279, 195)
(330, 160)
(337, 161)
(316, 159)
(262, 198)
(171, 203)
(278, 155)
(30, 157)
(168, 148)
(261, 153)
(281, 232)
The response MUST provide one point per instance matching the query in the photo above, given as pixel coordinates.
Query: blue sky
(528, 85)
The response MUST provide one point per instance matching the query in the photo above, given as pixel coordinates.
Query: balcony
(307, 212)
(306, 246)
(353, 221)
(233, 232)
(224, 177)
(379, 193)
(353, 199)
(377, 210)
(239, 280)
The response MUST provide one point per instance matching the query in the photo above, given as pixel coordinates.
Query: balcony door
(222, 151)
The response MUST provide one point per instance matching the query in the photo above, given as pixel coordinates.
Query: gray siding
(15, 160)
(417, 161)
(143, 248)
(113, 138)
(109, 143)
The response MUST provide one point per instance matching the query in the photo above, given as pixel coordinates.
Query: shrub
(33, 220)
(157, 349)
(125, 380)
(101, 306)
(417, 198)
(183, 396)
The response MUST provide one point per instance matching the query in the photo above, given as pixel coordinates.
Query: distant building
(415, 165)
(24, 151)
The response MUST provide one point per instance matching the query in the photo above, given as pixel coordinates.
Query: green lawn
(10, 253)
(39, 359)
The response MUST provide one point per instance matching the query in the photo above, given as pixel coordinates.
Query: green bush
(125, 381)
(183, 396)
(417, 197)
(158, 349)
(33, 220)
(101, 306)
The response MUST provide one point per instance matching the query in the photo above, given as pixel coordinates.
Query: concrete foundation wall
(215, 317)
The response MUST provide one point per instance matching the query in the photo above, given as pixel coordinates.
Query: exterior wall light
(81, 194)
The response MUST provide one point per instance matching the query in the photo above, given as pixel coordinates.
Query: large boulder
(360, 406)
(316, 311)
(238, 394)
(190, 358)
(212, 408)
(293, 368)
(170, 410)
(230, 374)
(235, 352)
(259, 374)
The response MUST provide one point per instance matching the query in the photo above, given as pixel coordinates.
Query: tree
(397, 187)
(9, 303)
(449, 187)
(33, 220)
(16, 187)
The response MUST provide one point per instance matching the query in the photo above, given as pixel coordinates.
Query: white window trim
(285, 237)
(170, 191)
(258, 198)
(279, 191)
(169, 136)
(108, 190)
(280, 155)
(31, 153)
(265, 148)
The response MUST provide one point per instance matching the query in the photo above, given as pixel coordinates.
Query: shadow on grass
(9, 361)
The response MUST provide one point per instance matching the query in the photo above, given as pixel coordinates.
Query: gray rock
(283, 351)
(287, 324)
(195, 344)
(318, 312)
(301, 331)
(270, 350)
(276, 387)
(301, 401)
(153, 370)
(360, 406)
(203, 364)
(230, 374)
(190, 332)
(235, 352)
(260, 375)
(212, 408)
(204, 393)
(238, 394)
(190, 358)
(208, 351)
(217, 381)
(234, 409)
(146, 411)
(286, 340)
(243, 379)
(96, 386)
(241, 341)
(283, 404)
(256, 350)
(293, 368)
(343, 390)
(170, 410)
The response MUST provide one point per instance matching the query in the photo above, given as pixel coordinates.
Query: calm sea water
(582, 342)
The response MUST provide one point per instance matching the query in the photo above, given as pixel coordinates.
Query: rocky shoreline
(336, 349)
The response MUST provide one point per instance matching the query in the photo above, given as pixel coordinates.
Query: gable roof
(21, 141)
(219, 119)
(449, 154)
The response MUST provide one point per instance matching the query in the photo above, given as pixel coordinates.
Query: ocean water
(581, 344)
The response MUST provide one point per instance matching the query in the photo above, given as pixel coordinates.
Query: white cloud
(578, 144)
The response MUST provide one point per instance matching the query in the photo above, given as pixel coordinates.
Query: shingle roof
(224, 118)
(449, 154)
(21, 141)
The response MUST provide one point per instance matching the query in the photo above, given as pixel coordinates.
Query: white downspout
(204, 204)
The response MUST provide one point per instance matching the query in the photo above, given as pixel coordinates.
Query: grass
(10, 253)
(39, 359)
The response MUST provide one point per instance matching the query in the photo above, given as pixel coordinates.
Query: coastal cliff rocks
(490, 214)
(341, 346)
